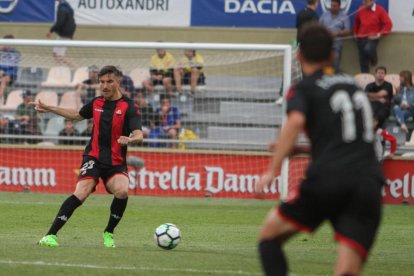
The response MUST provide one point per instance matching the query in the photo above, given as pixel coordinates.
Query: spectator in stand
(161, 71)
(382, 136)
(27, 116)
(69, 130)
(306, 15)
(189, 71)
(338, 23)
(404, 100)
(380, 94)
(169, 120)
(89, 89)
(9, 66)
(127, 86)
(8, 126)
(65, 28)
(371, 22)
(89, 129)
(147, 113)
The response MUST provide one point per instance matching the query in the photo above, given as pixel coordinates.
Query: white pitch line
(142, 268)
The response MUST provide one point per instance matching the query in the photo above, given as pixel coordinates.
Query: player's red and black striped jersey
(111, 119)
(338, 122)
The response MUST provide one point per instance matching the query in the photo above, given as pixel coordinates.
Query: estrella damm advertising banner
(178, 174)
(261, 13)
(27, 11)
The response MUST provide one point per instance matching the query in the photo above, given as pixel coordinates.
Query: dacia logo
(345, 5)
(7, 6)
(259, 6)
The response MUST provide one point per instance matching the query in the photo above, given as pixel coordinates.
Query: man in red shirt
(371, 22)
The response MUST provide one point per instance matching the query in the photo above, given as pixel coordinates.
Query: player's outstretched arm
(71, 114)
(287, 141)
(136, 137)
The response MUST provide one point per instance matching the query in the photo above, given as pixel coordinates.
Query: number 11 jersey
(339, 123)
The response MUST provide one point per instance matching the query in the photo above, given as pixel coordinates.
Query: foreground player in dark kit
(117, 122)
(343, 182)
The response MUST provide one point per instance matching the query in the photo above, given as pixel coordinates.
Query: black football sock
(272, 258)
(118, 207)
(65, 211)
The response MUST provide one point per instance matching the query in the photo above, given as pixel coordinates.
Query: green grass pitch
(219, 238)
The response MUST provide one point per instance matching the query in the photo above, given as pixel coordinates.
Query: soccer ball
(167, 236)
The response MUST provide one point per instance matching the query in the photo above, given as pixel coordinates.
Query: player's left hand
(123, 140)
(263, 182)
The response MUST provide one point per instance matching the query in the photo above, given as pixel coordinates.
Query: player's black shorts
(187, 79)
(351, 202)
(92, 168)
(168, 74)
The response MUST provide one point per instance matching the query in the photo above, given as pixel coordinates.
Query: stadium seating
(58, 76)
(30, 77)
(54, 126)
(394, 79)
(80, 75)
(13, 100)
(363, 79)
(138, 76)
(47, 97)
(241, 134)
(81, 126)
(70, 100)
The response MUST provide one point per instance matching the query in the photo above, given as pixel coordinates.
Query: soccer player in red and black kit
(343, 181)
(117, 122)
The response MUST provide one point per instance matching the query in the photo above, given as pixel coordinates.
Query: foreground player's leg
(118, 186)
(83, 189)
(274, 233)
(349, 262)
(272, 257)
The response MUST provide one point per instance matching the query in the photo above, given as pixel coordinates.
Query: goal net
(225, 122)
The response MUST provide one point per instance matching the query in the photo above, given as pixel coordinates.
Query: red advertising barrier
(164, 174)
(399, 176)
(176, 174)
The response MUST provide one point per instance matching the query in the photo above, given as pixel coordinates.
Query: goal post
(226, 126)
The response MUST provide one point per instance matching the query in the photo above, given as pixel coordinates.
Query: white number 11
(341, 102)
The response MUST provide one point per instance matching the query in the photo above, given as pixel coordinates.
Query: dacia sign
(260, 13)
(262, 7)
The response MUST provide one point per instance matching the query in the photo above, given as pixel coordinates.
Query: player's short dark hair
(383, 68)
(110, 69)
(311, 2)
(316, 42)
(337, 1)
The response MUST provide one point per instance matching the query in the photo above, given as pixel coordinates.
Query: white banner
(174, 13)
(402, 15)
